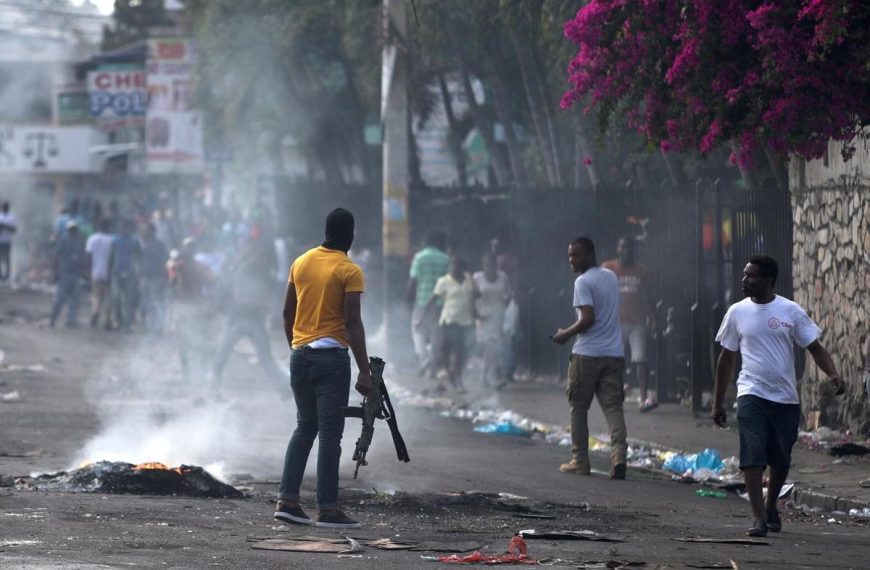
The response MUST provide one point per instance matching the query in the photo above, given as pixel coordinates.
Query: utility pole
(394, 118)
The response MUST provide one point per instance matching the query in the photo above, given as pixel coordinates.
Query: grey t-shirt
(599, 288)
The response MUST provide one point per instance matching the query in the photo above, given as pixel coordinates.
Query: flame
(157, 466)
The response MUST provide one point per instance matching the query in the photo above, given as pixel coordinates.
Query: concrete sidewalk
(821, 481)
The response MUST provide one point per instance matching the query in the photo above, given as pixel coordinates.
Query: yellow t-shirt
(322, 276)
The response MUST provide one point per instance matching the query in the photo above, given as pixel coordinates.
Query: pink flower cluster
(694, 74)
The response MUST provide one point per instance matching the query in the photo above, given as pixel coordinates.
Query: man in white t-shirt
(764, 328)
(99, 246)
(597, 359)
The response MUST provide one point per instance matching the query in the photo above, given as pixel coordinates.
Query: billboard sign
(173, 129)
(47, 149)
(118, 98)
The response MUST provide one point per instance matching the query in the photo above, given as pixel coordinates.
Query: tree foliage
(696, 74)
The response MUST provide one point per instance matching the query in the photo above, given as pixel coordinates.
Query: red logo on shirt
(773, 323)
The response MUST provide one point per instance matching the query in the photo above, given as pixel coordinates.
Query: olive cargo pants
(589, 377)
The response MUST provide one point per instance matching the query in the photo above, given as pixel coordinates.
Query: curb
(813, 498)
(809, 497)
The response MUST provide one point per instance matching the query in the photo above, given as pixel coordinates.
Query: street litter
(604, 564)
(13, 396)
(14, 542)
(390, 544)
(862, 513)
(141, 479)
(709, 459)
(568, 535)
(711, 493)
(321, 545)
(783, 493)
(503, 428)
(533, 516)
(849, 449)
(750, 541)
(864, 483)
(23, 368)
(517, 554)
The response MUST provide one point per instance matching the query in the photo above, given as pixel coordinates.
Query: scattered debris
(323, 545)
(862, 513)
(750, 541)
(864, 483)
(18, 542)
(24, 368)
(533, 516)
(568, 535)
(142, 479)
(711, 493)
(390, 544)
(517, 554)
(849, 449)
(503, 428)
(783, 493)
(13, 396)
(604, 564)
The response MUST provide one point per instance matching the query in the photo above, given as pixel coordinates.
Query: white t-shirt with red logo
(765, 335)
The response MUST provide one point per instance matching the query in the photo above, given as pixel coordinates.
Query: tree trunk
(453, 140)
(515, 154)
(538, 121)
(540, 80)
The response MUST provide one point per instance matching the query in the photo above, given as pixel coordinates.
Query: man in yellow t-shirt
(321, 320)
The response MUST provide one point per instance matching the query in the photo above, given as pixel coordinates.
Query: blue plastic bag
(503, 428)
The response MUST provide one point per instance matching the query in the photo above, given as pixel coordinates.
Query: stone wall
(831, 267)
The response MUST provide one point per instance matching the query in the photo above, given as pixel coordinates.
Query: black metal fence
(694, 240)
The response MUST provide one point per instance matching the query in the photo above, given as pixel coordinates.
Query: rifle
(375, 406)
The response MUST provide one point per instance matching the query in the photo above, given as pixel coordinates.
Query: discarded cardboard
(751, 541)
(568, 535)
(322, 546)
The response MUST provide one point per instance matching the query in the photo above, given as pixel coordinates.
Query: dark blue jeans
(320, 379)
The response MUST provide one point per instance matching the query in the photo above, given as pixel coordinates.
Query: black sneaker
(291, 515)
(759, 529)
(774, 523)
(335, 519)
(618, 471)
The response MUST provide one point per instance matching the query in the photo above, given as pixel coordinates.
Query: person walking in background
(99, 246)
(8, 227)
(126, 257)
(494, 294)
(597, 363)
(69, 264)
(321, 320)
(153, 279)
(248, 297)
(188, 316)
(764, 328)
(428, 265)
(456, 292)
(636, 313)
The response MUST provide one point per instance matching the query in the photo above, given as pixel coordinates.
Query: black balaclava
(339, 230)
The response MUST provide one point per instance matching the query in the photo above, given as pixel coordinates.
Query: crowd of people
(147, 273)
(455, 312)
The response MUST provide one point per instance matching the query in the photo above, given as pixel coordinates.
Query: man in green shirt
(429, 264)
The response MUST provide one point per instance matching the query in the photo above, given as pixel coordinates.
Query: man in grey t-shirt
(597, 359)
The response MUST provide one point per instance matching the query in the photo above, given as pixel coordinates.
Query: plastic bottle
(711, 493)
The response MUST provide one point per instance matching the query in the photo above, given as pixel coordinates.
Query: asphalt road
(104, 393)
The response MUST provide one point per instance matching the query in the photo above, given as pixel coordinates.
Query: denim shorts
(768, 431)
